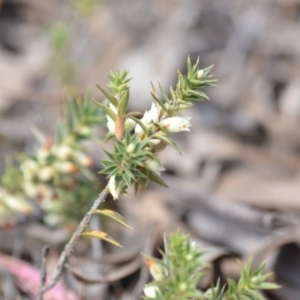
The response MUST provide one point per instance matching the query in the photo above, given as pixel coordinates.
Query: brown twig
(69, 247)
(45, 253)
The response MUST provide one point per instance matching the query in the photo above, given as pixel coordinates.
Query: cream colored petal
(176, 124)
(112, 188)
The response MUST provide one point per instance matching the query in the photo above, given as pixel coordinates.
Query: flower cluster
(50, 172)
(177, 274)
(57, 176)
(147, 134)
(12, 205)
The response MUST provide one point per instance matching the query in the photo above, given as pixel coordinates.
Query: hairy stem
(69, 247)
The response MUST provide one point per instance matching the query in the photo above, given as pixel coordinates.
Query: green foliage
(188, 89)
(57, 176)
(72, 199)
(250, 283)
(127, 162)
(60, 34)
(176, 275)
(146, 136)
(80, 116)
(188, 86)
(60, 63)
(11, 177)
(249, 286)
(118, 83)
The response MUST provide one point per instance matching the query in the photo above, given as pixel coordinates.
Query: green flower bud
(200, 74)
(84, 131)
(130, 148)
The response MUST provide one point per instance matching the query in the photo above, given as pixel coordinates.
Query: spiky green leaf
(113, 215)
(107, 110)
(110, 97)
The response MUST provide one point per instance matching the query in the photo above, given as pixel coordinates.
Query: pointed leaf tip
(101, 235)
(107, 110)
(113, 215)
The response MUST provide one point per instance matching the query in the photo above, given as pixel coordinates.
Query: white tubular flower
(42, 155)
(154, 166)
(176, 124)
(110, 122)
(37, 190)
(30, 189)
(66, 167)
(82, 159)
(63, 152)
(149, 116)
(29, 168)
(151, 291)
(111, 125)
(18, 204)
(154, 141)
(154, 112)
(115, 192)
(46, 173)
(146, 120)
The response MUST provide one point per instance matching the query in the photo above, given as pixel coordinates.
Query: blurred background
(235, 189)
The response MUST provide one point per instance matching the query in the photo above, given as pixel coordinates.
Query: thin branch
(45, 253)
(69, 247)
